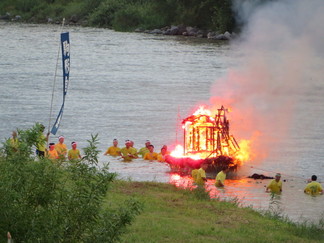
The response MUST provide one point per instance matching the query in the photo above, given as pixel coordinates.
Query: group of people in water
(312, 188)
(54, 151)
(128, 153)
(274, 186)
(60, 151)
(199, 176)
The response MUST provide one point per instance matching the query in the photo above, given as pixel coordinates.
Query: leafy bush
(27, 5)
(127, 15)
(126, 19)
(104, 14)
(223, 18)
(42, 201)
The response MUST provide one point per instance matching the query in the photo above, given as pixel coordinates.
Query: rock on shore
(189, 31)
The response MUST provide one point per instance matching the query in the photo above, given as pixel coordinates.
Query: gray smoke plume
(280, 53)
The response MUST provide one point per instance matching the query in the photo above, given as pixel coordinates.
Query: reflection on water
(248, 192)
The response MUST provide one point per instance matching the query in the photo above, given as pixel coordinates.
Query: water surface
(138, 86)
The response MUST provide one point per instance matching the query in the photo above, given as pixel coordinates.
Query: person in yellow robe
(199, 175)
(41, 142)
(52, 153)
(61, 148)
(314, 188)
(145, 149)
(220, 178)
(127, 153)
(275, 186)
(74, 153)
(162, 154)
(113, 150)
(166, 149)
(151, 155)
(14, 141)
(133, 148)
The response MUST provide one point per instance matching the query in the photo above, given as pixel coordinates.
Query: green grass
(175, 215)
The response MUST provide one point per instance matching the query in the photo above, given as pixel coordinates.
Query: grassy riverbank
(174, 215)
(124, 15)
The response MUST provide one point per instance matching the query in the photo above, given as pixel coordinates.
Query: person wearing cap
(314, 188)
(275, 186)
(52, 153)
(41, 142)
(220, 178)
(127, 153)
(74, 153)
(145, 149)
(151, 155)
(113, 150)
(61, 148)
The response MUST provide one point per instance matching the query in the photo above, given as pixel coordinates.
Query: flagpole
(57, 60)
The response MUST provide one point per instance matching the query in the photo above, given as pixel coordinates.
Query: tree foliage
(44, 201)
(128, 15)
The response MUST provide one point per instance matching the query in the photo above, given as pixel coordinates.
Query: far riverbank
(200, 19)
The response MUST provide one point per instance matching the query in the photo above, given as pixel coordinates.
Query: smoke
(280, 50)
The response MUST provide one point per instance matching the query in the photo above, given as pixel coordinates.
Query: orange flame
(244, 154)
(202, 111)
(177, 152)
(204, 130)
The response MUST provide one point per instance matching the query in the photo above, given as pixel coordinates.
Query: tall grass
(171, 214)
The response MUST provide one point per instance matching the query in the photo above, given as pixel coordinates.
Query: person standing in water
(41, 142)
(14, 141)
(314, 188)
(151, 155)
(127, 153)
(275, 186)
(145, 149)
(133, 148)
(61, 148)
(162, 154)
(199, 175)
(74, 153)
(52, 153)
(113, 150)
(220, 178)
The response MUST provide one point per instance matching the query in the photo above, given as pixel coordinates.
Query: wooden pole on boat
(178, 123)
(57, 60)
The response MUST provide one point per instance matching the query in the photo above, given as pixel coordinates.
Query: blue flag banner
(65, 41)
(65, 46)
(58, 120)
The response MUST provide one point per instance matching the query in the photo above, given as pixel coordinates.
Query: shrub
(42, 201)
(223, 17)
(104, 14)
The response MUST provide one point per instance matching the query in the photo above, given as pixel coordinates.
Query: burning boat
(206, 139)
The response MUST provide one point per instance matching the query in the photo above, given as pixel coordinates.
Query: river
(138, 86)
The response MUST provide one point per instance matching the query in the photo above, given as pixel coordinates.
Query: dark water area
(138, 86)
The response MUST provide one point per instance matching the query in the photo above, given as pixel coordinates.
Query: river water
(138, 86)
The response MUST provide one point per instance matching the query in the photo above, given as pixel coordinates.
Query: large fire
(206, 136)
